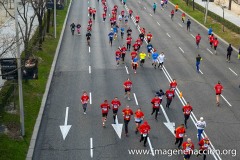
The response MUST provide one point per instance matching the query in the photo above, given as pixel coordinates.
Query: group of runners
(142, 125)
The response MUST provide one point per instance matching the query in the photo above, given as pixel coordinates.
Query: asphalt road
(72, 75)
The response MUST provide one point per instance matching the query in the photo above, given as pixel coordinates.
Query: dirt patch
(13, 131)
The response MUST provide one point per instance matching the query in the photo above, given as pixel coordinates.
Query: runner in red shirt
(104, 16)
(218, 89)
(139, 43)
(144, 130)
(188, 148)
(90, 11)
(215, 44)
(198, 39)
(133, 54)
(118, 55)
(172, 14)
(137, 19)
(142, 30)
(135, 46)
(169, 95)
(204, 145)
(105, 108)
(122, 13)
(115, 105)
(156, 101)
(187, 112)
(139, 116)
(90, 22)
(94, 13)
(211, 39)
(173, 84)
(130, 13)
(127, 112)
(115, 7)
(149, 37)
(129, 41)
(105, 8)
(84, 101)
(123, 50)
(179, 134)
(127, 85)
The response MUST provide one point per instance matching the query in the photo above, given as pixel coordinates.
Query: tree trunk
(48, 19)
(40, 33)
(230, 5)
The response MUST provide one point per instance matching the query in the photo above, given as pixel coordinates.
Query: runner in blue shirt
(154, 58)
(149, 49)
(115, 30)
(122, 32)
(135, 64)
(110, 35)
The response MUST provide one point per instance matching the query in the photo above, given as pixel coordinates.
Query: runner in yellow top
(176, 7)
(142, 56)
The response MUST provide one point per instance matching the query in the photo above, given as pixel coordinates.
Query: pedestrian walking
(154, 7)
(198, 61)
(188, 148)
(127, 112)
(188, 25)
(229, 52)
(179, 134)
(201, 125)
(187, 109)
(84, 101)
(144, 130)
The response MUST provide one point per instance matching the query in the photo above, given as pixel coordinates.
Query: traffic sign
(9, 68)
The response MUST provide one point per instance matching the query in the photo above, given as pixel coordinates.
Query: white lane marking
(89, 69)
(226, 100)
(144, 7)
(158, 23)
(150, 145)
(200, 71)
(209, 51)
(192, 35)
(180, 25)
(91, 147)
(233, 71)
(168, 35)
(139, 2)
(89, 49)
(90, 95)
(181, 49)
(135, 97)
(169, 15)
(150, 14)
(109, 14)
(127, 69)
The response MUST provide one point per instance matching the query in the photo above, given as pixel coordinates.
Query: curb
(204, 27)
(44, 99)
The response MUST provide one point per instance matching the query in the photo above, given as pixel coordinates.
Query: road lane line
(226, 100)
(90, 94)
(109, 14)
(89, 49)
(150, 145)
(135, 99)
(91, 147)
(127, 69)
(150, 14)
(192, 36)
(89, 69)
(200, 71)
(181, 49)
(158, 23)
(209, 51)
(144, 7)
(168, 35)
(233, 71)
(180, 25)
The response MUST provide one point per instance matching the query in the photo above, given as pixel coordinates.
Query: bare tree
(25, 23)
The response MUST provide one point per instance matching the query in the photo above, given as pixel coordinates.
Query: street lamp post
(223, 7)
(206, 7)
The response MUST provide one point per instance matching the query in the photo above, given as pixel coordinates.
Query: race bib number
(115, 106)
(144, 135)
(180, 135)
(104, 109)
(127, 116)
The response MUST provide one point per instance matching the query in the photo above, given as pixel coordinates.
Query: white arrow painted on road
(168, 124)
(118, 128)
(65, 128)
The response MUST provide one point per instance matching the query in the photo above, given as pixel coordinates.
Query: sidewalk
(231, 16)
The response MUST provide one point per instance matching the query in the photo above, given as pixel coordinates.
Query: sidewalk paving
(228, 14)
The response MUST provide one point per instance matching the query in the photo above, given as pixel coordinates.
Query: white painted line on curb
(150, 145)
(168, 35)
(158, 23)
(90, 95)
(144, 7)
(181, 49)
(209, 51)
(233, 71)
(192, 36)
(226, 100)
(127, 69)
(89, 49)
(135, 99)
(180, 25)
(91, 147)
(89, 69)
(150, 14)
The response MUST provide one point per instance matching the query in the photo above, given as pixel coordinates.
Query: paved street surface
(94, 69)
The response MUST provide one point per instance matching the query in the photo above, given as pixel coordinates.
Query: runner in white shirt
(161, 59)
(201, 125)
